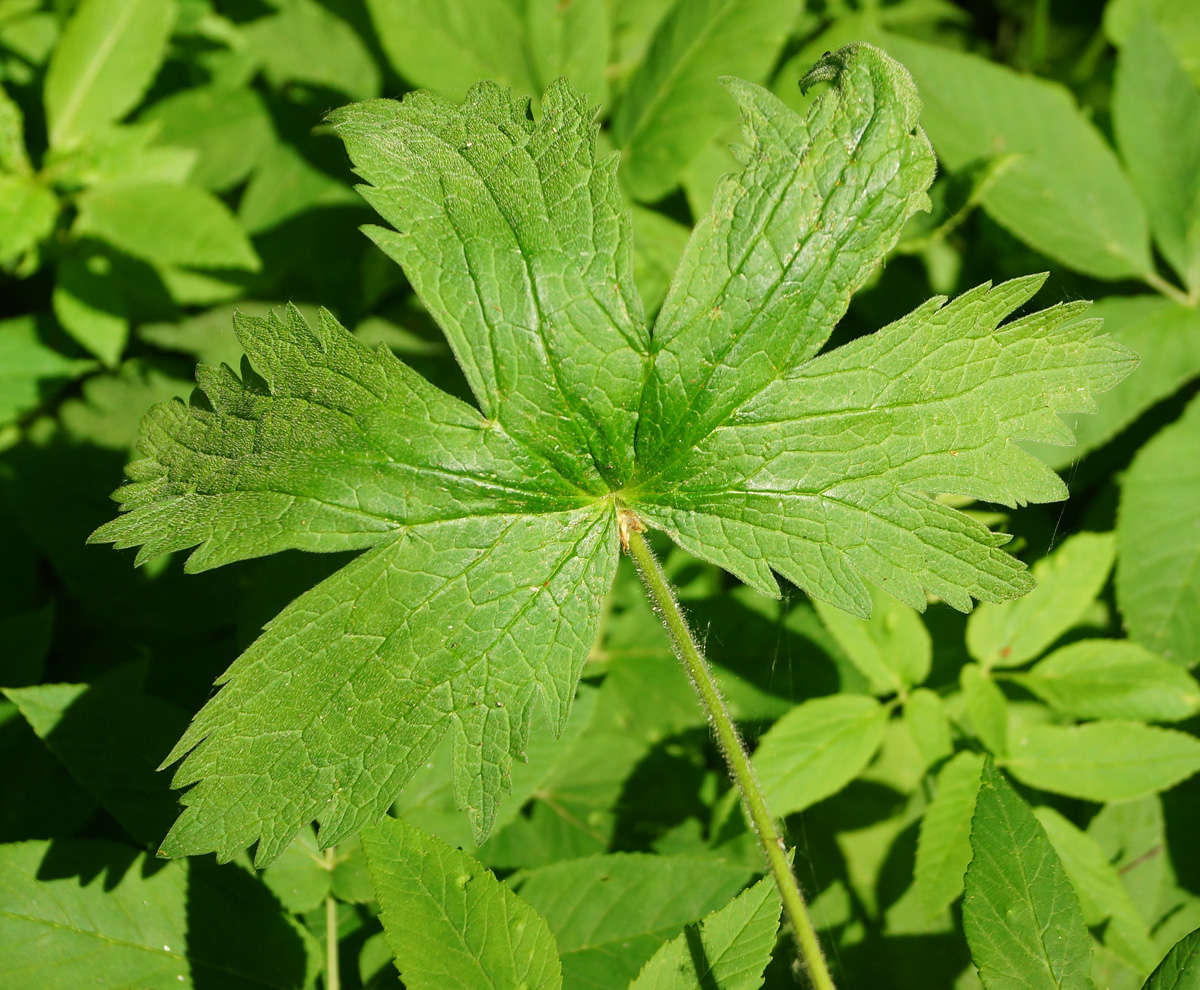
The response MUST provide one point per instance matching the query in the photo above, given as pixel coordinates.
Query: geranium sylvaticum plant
(491, 532)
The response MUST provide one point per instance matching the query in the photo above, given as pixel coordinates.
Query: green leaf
(540, 577)
(634, 23)
(285, 185)
(29, 370)
(450, 923)
(671, 106)
(14, 159)
(765, 484)
(570, 41)
(1158, 570)
(385, 666)
(300, 464)
(27, 214)
(110, 408)
(90, 308)
(1175, 19)
(300, 878)
(229, 129)
(493, 533)
(306, 42)
(1180, 970)
(944, 842)
(749, 301)
(1102, 895)
(817, 748)
(166, 224)
(120, 153)
(1166, 336)
(1132, 835)
(1102, 761)
(987, 708)
(1020, 913)
(925, 716)
(1106, 678)
(658, 244)
(105, 60)
(1155, 109)
(85, 912)
(427, 801)
(504, 225)
(892, 648)
(821, 475)
(449, 46)
(111, 736)
(1064, 193)
(609, 914)
(728, 949)
(1068, 581)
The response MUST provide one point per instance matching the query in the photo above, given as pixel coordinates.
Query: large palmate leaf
(491, 533)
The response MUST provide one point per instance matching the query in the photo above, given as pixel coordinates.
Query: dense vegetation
(456, 745)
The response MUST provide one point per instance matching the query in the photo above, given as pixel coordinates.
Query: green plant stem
(684, 643)
(1175, 294)
(333, 976)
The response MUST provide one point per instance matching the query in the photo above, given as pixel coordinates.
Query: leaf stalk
(333, 976)
(658, 587)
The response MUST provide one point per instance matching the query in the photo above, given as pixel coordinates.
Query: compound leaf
(728, 949)
(1020, 913)
(450, 923)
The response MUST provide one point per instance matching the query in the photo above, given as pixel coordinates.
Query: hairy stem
(684, 643)
(333, 977)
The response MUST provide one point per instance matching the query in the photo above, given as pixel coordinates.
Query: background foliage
(163, 162)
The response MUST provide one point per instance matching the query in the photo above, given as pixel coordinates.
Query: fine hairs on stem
(658, 588)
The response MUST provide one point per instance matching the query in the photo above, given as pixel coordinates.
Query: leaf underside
(491, 532)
